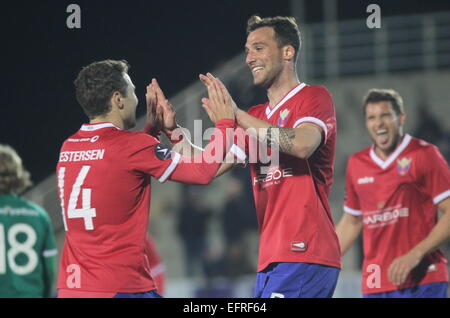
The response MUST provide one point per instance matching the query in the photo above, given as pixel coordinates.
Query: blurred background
(207, 236)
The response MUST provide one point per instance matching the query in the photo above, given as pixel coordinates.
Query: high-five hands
(162, 116)
(160, 111)
(219, 104)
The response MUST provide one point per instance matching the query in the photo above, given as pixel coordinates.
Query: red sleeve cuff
(227, 122)
(150, 130)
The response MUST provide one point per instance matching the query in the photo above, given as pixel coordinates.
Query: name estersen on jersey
(95, 154)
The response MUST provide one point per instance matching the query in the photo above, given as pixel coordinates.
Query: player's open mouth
(382, 136)
(257, 69)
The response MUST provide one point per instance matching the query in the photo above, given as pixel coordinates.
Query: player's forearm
(438, 235)
(229, 163)
(348, 230)
(299, 142)
(203, 168)
(185, 148)
(224, 168)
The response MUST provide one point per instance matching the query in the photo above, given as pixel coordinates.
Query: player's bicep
(353, 219)
(308, 137)
(444, 205)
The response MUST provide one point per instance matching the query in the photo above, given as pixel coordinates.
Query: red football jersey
(397, 200)
(104, 186)
(291, 198)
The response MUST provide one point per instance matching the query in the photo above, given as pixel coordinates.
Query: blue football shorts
(296, 280)
(431, 290)
(148, 294)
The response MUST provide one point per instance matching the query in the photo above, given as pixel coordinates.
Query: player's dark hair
(14, 178)
(286, 30)
(376, 95)
(97, 82)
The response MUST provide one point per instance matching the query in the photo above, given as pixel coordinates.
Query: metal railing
(403, 43)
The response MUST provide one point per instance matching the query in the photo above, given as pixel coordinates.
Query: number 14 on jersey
(86, 212)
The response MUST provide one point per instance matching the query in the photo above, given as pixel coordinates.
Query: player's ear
(288, 52)
(116, 100)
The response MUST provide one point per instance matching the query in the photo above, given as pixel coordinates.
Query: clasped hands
(161, 115)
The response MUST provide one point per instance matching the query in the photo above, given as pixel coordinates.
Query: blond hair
(14, 178)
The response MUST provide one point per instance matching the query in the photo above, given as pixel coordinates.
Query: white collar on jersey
(270, 112)
(384, 164)
(92, 127)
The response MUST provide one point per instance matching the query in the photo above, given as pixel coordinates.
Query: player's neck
(281, 86)
(110, 119)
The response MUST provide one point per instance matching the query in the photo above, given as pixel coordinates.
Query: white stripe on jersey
(270, 112)
(49, 253)
(440, 197)
(313, 120)
(176, 158)
(384, 164)
(238, 152)
(352, 211)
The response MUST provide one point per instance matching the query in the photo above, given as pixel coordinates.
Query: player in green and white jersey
(27, 243)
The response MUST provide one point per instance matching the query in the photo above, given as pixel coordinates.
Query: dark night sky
(173, 41)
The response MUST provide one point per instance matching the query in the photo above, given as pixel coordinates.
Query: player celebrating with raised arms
(104, 174)
(394, 190)
(299, 252)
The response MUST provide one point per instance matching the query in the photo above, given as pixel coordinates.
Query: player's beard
(393, 142)
(268, 75)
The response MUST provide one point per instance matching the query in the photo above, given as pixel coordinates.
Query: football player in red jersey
(394, 190)
(299, 253)
(104, 181)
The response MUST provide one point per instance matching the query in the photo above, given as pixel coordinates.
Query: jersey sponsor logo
(388, 216)
(274, 174)
(366, 180)
(85, 155)
(93, 139)
(162, 152)
(283, 118)
(7, 210)
(299, 246)
(403, 166)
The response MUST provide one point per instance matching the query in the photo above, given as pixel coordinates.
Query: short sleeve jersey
(27, 249)
(291, 197)
(397, 200)
(104, 175)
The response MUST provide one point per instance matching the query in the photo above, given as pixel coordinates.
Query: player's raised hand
(154, 116)
(218, 105)
(226, 94)
(169, 122)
